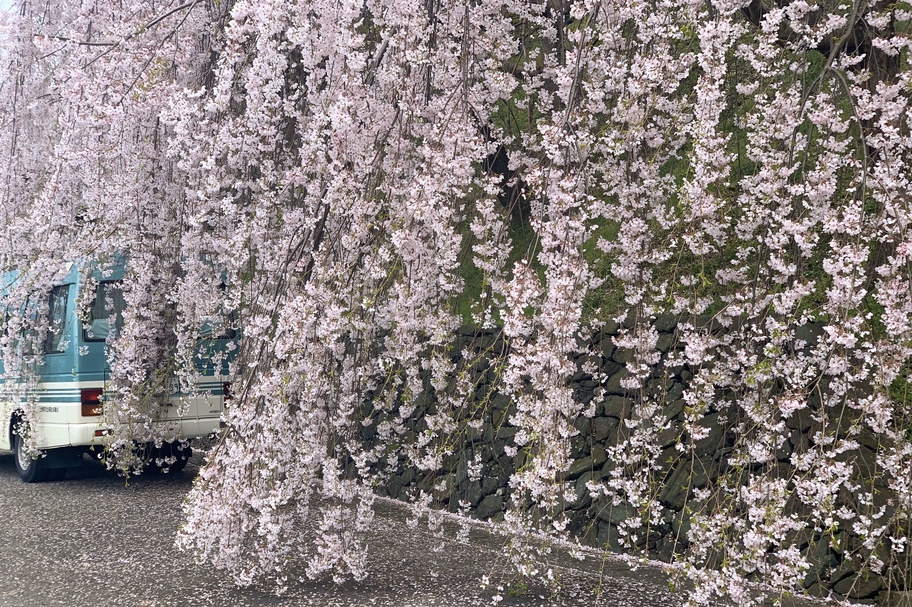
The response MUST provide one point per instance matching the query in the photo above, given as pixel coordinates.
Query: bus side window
(221, 325)
(108, 302)
(11, 339)
(28, 332)
(55, 341)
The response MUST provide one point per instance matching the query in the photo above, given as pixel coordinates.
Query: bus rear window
(107, 305)
(218, 328)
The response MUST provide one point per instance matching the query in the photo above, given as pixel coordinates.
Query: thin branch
(154, 22)
(84, 43)
(861, 134)
(372, 70)
(154, 54)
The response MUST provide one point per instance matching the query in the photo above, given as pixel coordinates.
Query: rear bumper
(88, 434)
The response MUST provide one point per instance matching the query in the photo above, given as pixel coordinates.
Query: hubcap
(24, 460)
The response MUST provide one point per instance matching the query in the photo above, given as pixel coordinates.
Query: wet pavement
(93, 540)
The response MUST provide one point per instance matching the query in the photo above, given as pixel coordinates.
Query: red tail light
(91, 402)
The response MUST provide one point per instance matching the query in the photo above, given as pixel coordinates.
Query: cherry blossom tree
(327, 171)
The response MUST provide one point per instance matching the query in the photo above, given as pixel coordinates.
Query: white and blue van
(67, 388)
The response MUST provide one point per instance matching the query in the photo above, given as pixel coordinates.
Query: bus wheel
(30, 470)
(182, 456)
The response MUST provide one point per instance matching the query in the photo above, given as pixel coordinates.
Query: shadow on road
(97, 471)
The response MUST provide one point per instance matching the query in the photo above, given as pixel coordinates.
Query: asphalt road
(93, 540)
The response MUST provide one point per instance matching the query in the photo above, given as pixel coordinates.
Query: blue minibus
(64, 388)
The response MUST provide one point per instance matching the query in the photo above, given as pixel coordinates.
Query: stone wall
(596, 522)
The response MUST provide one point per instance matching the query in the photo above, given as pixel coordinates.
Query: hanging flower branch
(351, 181)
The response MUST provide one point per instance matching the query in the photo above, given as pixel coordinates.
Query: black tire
(166, 451)
(29, 470)
(182, 458)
